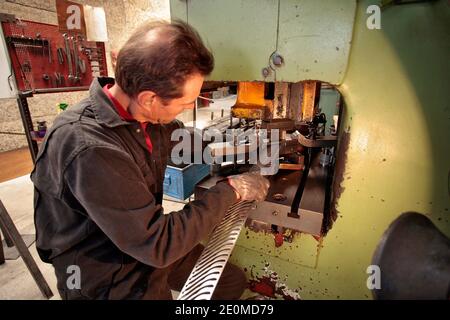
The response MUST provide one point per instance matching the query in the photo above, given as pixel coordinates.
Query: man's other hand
(250, 186)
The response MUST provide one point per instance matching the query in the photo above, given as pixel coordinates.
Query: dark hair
(159, 56)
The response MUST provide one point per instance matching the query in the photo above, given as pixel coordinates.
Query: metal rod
(8, 240)
(61, 89)
(2, 254)
(27, 125)
(195, 115)
(301, 187)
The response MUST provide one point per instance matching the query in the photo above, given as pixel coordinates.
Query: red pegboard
(33, 50)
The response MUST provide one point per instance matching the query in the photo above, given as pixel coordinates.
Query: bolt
(265, 72)
(275, 213)
(277, 59)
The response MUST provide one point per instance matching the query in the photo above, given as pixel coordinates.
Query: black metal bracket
(27, 122)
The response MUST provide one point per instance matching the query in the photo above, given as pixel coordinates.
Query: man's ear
(146, 98)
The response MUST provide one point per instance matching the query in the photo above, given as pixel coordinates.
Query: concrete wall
(122, 17)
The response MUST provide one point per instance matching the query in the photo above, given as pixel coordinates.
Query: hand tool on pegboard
(60, 55)
(49, 52)
(75, 59)
(70, 76)
(38, 49)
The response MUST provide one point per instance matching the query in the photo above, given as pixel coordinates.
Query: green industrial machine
(392, 69)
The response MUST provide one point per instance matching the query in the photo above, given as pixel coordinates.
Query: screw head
(277, 59)
(265, 72)
(279, 197)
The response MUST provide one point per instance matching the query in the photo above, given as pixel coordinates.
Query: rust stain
(270, 286)
(279, 239)
(264, 286)
(338, 189)
(319, 248)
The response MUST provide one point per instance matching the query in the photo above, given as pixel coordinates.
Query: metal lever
(301, 187)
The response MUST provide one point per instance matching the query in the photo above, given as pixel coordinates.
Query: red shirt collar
(124, 114)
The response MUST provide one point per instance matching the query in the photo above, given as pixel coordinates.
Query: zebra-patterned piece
(207, 271)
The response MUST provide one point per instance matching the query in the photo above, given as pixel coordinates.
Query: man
(99, 173)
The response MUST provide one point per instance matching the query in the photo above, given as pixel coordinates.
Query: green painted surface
(178, 9)
(328, 105)
(398, 116)
(240, 39)
(314, 39)
(313, 36)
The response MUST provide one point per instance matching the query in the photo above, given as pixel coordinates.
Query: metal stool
(13, 238)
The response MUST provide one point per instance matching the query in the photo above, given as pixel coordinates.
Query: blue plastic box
(180, 182)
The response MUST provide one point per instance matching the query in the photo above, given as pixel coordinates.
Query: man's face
(157, 112)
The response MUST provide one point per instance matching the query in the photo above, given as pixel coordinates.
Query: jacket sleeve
(110, 187)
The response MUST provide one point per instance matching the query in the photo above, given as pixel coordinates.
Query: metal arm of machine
(319, 142)
(301, 187)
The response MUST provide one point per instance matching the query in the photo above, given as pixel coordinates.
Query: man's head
(161, 68)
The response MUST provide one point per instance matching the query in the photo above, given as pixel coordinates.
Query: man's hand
(250, 186)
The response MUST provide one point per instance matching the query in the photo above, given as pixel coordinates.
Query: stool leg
(24, 252)
(2, 254)
(8, 239)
